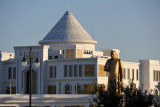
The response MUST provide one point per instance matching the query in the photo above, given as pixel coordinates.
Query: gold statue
(115, 78)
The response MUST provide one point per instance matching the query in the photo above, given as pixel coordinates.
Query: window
(128, 73)
(55, 57)
(154, 75)
(20, 53)
(65, 71)
(50, 57)
(54, 71)
(52, 89)
(101, 70)
(137, 74)
(25, 53)
(70, 53)
(79, 53)
(51, 71)
(75, 71)
(89, 70)
(70, 70)
(9, 73)
(68, 89)
(124, 73)
(13, 90)
(33, 53)
(78, 89)
(14, 72)
(88, 88)
(80, 71)
(159, 75)
(37, 53)
(133, 74)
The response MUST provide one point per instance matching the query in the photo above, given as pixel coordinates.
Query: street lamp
(24, 63)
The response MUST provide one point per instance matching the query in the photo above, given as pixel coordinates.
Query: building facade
(69, 63)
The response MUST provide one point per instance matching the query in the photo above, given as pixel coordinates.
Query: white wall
(147, 68)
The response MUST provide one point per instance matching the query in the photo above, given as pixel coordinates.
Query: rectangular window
(25, 53)
(80, 71)
(101, 70)
(54, 71)
(14, 72)
(37, 53)
(9, 73)
(157, 75)
(154, 75)
(13, 90)
(70, 70)
(56, 57)
(33, 53)
(137, 74)
(88, 88)
(65, 71)
(133, 74)
(75, 71)
(79, 53)
(70, 53)
(124, 73)
(50, 57)
(52, 89)
(51, 71)
(89, 70)
(20, 53)
(128, 73)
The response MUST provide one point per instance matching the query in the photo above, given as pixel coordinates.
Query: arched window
(156, 92)
(68, 89)
(78, 89)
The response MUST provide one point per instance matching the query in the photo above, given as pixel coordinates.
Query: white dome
(68, 29)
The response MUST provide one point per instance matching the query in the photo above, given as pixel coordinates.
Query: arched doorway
(68, 88)
(33, 84)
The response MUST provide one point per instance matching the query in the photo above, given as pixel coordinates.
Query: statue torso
(113, 69)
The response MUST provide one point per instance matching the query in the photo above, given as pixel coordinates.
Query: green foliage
(136, 97)
(132, 97)
(107, 98)
(156, 103)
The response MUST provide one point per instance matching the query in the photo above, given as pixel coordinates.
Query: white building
(68, 63)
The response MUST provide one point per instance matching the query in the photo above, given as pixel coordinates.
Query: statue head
(113, 54)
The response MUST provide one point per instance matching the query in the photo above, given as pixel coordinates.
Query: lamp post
(24, 63)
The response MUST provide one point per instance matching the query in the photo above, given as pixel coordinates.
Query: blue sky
(132, 26)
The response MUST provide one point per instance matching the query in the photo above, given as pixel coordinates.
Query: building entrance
(33, 84)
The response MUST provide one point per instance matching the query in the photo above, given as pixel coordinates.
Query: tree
(136, 97)
(107, 98)
(132, 97)
(156, 102)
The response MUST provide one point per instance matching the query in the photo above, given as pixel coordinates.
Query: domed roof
(67, 29)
